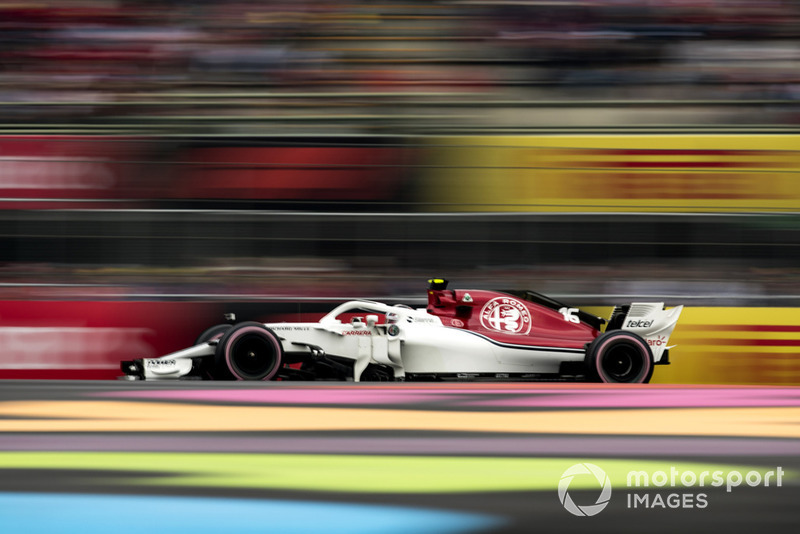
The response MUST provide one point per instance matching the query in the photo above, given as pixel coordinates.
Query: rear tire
(619, 357)
(249, 351)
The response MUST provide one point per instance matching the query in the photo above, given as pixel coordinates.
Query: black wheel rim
(253, 356)
(623, 362)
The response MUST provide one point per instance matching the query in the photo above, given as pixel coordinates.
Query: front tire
(249, 351)
(619, 357)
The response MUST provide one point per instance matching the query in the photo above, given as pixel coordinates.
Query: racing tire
(619, 357)
(248, 351)
(210, 334)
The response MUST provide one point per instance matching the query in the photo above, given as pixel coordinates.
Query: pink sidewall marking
(240, 333)
(600, 349)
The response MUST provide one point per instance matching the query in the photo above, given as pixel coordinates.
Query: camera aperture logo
(602, 480)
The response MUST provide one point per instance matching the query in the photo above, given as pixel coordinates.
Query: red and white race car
(460, 335)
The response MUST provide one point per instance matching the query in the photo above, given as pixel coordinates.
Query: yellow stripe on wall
(685, 173)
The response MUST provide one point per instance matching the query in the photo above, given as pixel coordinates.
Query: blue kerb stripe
(46, 513)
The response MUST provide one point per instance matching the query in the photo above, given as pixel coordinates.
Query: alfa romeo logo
(507, 315)
(602, 481)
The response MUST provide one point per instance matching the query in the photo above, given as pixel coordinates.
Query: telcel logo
(640, 324)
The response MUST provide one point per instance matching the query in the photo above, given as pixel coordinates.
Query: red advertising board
(51, 172)
(40, 172)
(88, 340)
(281, 173)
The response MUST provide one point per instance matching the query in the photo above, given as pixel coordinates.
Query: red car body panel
(508, 319)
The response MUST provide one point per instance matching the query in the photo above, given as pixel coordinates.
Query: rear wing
(651, 320)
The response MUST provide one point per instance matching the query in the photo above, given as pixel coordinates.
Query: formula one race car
(461, 335)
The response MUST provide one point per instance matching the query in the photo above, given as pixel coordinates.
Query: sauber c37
(460, 335)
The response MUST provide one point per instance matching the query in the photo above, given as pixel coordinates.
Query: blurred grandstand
(274, 150)
(398, 67)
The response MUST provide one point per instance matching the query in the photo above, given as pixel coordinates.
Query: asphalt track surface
(196, 457)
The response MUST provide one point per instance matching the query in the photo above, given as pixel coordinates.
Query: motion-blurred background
(276, 152)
